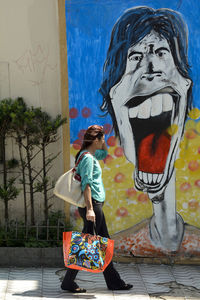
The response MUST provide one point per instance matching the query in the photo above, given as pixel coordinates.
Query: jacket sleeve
(85, 169)
(101, 154)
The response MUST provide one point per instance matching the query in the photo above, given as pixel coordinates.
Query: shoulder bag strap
(79, 159)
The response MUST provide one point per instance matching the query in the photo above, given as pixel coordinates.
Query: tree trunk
(30, 182)
(46, 215)
(24, 183)
(4, 161)
(6, 211)
(5, 181)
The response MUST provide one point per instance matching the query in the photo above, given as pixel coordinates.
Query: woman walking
(92, 186)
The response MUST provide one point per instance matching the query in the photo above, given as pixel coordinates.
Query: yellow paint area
(172, 129)
(194, 114)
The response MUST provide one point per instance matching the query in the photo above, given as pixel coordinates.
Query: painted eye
(162, 53)
(135, 57)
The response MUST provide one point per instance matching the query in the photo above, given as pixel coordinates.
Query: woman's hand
(90, 215)
(104, 146)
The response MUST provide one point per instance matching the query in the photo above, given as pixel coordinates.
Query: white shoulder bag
(68, 186)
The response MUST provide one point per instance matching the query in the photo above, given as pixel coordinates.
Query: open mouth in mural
(154, 122)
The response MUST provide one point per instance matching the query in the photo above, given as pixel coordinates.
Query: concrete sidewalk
(150, 282)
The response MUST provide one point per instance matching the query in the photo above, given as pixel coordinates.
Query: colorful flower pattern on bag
(87, 251)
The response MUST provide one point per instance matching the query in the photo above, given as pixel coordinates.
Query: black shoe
(73, 288)
(122, 287)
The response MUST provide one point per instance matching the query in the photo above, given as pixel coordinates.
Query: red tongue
(152, 158)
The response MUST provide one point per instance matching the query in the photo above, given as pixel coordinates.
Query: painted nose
(151, 74)
(150, 68)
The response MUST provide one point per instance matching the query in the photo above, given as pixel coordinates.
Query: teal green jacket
(90, 171)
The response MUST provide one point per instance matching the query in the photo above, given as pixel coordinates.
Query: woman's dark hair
(93, 132)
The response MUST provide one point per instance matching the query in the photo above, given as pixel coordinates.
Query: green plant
(18, 125)
(35, 131)
(8, 191)
(21, 235)
(47, 134)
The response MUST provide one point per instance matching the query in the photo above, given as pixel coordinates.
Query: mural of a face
(150, 105)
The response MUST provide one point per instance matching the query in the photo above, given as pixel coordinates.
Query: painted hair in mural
(147, 90)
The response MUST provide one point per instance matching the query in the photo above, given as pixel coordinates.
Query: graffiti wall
(133, 67)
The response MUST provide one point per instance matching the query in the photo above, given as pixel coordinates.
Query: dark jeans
(111, 276)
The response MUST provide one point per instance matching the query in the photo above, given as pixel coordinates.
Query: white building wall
(30, 67)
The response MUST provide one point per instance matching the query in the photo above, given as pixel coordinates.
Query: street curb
(31, 257)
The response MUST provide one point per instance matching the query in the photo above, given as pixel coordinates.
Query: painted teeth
(167, 102)
(156, 107)
(144, 109)
(150, 178)
(152, 107)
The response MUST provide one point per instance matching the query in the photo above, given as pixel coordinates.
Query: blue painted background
(88, 27)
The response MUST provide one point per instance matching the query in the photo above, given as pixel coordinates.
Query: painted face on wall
(150, 104)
